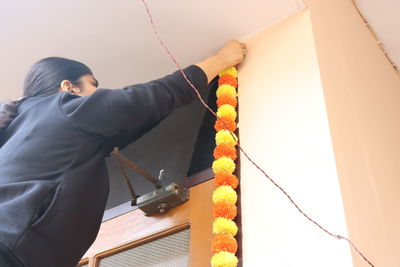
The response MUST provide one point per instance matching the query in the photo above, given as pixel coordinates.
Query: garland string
(229, 228)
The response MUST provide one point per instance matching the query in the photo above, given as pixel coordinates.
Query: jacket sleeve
(125, 137)
(134, 109)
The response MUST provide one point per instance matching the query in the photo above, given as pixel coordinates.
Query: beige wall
(319, 106)
(362, 93)
(284, 127)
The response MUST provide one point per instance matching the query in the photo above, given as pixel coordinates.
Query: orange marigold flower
(228, 79)
(225, 150)
(224, 242)
(226, 179)
(219, 124)
(224, 209)
(226, 99)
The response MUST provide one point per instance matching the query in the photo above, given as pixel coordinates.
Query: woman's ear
(67, 86)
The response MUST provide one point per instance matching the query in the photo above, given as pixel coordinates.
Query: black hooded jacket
(53, 177)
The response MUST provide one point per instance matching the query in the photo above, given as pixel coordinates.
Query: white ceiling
(383, 16)
(115, 38)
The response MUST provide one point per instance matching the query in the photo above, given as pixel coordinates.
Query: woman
(53, 177)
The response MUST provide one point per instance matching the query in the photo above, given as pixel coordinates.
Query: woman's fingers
(233, 52)
(244, 48)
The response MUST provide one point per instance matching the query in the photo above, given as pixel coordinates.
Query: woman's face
(87, 86)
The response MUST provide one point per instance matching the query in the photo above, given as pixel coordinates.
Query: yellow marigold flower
(226, 89)
(224, 259)
(231, 71)
(223, 164)
(224, 225)
(224, 136)
(224, 193)
(227, 110)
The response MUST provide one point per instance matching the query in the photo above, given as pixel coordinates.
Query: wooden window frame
(174, 229)
(134, 228)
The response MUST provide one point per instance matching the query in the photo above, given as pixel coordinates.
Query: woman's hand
(233, 53)
(230, 55)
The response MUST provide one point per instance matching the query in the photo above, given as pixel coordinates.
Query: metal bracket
(158, 201)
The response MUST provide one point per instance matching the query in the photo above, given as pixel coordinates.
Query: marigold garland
(223, 164)
(224, 197)
(224, 242)
(224, 150)
(224, 209)
(232, 71)
(220, 125)
(226, 179)
(227, 79)
(226, 89)
(226, 99)
(227, 111)
(224, 259)
(224, 136)
(224, 193)
(223, 225)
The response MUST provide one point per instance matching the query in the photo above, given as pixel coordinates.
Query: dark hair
(43, 79)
